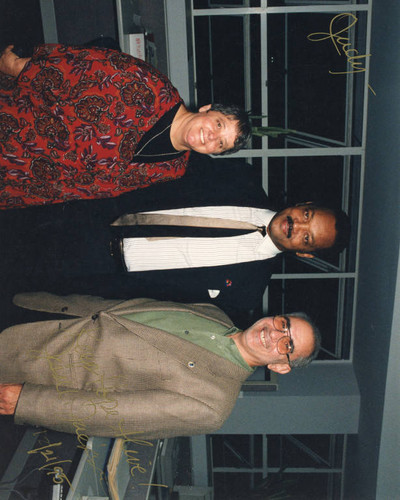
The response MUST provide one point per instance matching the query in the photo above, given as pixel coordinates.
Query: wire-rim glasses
(285, 344)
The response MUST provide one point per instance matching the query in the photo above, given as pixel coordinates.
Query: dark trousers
(56, 254)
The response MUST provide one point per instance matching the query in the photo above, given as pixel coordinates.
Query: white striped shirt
(143, 254)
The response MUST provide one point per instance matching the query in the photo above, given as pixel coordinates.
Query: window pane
(322, 300)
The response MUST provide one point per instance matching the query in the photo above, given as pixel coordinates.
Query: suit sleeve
(71, 305)
(148, 414)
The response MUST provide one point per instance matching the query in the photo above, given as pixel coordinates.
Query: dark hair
(244, 126)
(343, 228)
(301, 362)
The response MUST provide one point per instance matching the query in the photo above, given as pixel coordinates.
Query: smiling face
(259, 344)
(303, 229)
(210, 132)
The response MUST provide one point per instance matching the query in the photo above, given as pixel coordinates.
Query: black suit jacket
(65, 248)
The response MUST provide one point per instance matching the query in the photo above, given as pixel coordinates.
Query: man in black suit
(66, 248)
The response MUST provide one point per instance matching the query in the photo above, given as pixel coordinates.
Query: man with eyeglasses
(155, 369)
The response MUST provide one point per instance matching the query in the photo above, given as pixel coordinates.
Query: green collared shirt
(201, 331)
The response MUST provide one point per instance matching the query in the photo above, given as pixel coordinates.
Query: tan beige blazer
(101, 374)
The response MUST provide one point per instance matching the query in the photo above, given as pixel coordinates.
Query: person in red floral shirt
(82, 123)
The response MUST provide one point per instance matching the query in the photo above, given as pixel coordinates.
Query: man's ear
(281, 368)
(305, 255)
(205, 108)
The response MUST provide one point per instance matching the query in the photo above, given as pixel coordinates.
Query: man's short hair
(343, 229)
(244, 125)
(304, 361)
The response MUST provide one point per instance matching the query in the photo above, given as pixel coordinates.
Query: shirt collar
(267, 247)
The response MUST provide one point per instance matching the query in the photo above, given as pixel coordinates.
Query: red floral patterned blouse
(70, 124)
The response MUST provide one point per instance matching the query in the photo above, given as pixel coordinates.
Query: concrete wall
(320, 399)
(373, 458)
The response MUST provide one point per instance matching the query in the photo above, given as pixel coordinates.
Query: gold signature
(342, 43)
(47, 450)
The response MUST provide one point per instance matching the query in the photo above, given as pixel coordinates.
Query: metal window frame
(323, 465)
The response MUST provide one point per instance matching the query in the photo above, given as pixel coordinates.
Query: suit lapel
(192, 357)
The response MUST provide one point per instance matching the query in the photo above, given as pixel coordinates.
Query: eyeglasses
(285, 344)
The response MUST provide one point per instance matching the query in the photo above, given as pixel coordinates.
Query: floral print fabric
(70, 124)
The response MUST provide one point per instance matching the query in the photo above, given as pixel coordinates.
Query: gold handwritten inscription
(82, 438)
(131, 454)
(48, 451)
(101, 402)
(340, 37)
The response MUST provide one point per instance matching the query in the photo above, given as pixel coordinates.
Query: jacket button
(191, 364)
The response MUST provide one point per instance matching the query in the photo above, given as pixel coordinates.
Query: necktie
(174, 226)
